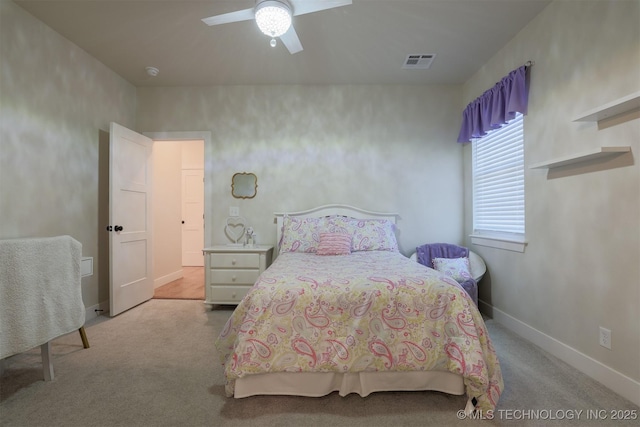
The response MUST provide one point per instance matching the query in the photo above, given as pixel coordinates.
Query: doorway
(179, 214)
(189, 286)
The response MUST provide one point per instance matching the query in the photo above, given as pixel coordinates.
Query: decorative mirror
(244, 185)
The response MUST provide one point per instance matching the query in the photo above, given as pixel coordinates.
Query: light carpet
(155, 365)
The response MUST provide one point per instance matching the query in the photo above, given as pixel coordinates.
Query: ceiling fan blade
(240, 15)
(291, 41)
(301, 7)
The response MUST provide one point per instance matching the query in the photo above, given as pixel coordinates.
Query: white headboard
(329, 210)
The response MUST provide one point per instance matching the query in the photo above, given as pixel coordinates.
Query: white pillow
(457, 268)
(373, 235)
(300, 234)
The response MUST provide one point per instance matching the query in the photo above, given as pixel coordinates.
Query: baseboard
(96, 310)
(103, 307)
(161, 281)
(610, 378)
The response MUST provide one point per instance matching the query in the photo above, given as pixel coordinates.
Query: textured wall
(580, 269)
(54, 99)
(383, 148)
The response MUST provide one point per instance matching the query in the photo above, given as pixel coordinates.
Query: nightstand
(230, 271)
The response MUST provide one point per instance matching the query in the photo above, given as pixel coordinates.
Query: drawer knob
(233, 296)
(233, 279)
(233, 262)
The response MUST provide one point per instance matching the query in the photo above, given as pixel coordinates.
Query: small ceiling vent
(418, 62)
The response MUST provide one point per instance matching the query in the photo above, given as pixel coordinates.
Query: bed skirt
(316, 384)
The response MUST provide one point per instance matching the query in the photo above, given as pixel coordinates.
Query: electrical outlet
(605, 337)
(234, 211)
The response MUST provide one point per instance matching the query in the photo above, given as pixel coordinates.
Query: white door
(130, 249)
(192, 217)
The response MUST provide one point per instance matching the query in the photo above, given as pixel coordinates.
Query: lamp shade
(273, 17)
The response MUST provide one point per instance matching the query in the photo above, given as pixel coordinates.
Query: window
(498, 186)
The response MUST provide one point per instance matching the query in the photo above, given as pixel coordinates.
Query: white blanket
(40, 291)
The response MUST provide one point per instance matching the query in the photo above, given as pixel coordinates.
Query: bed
(341, 309)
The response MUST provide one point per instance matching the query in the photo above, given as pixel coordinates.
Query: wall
(383, 148)
(55, 99)
(580, 269)
(167, 211)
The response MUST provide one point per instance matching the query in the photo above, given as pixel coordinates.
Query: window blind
(498, 180)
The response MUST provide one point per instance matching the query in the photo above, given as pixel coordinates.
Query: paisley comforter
(367, 311)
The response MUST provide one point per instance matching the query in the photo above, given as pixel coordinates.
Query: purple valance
(496, 106)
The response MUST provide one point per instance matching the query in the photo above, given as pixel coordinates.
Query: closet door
(192, 217)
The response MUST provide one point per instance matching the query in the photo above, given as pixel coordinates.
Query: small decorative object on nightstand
(250, 241)
(235, 229)
(230, 271)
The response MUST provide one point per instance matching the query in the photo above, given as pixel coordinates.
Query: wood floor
(191, 286)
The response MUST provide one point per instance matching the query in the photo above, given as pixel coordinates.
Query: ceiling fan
(274, 18)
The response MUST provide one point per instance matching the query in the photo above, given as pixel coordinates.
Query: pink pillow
(334, 244)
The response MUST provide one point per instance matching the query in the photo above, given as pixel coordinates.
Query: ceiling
(363, 43)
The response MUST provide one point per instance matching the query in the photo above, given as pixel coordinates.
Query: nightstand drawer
(230, 271)
(229, 294)
(232, 277)
(235, 260)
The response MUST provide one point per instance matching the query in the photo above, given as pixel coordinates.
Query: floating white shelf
(599, 153)
(613, 108)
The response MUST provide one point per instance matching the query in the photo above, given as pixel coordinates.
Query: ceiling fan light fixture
(152, 71)
(273, 17)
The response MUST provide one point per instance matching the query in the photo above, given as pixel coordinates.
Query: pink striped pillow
(334, 244)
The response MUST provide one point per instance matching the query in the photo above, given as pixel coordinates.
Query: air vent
(418, 62)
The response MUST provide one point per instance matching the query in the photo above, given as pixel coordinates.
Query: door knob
(109, 228)
(118, 228)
